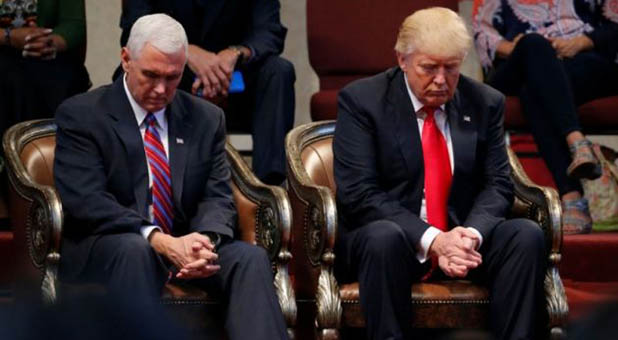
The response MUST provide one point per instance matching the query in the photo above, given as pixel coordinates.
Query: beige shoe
(584, 164)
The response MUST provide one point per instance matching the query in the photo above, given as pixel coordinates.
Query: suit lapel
(463, 136)
(400, 107)
(127, 130)
(179, 135)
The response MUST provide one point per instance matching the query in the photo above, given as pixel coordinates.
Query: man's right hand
(210, 71)
(192, 254)
(455, 251)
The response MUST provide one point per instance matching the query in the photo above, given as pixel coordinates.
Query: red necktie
(162, 206)
(437, 172)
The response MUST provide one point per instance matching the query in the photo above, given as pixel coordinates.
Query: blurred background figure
(555, 55)
(42, 51)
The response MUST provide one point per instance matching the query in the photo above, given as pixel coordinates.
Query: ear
(402, 60)
(125, 59)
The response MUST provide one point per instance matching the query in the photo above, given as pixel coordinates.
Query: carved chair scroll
(443, 304)
(264, 218)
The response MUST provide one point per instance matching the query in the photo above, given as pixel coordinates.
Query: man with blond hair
(423, 185)
(145, 186)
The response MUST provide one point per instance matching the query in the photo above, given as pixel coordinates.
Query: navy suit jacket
(378, 157)
(101, 172)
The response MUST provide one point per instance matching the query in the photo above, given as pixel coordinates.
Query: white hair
(435, 30)
(161, 31)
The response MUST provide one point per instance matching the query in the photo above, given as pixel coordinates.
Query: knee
(279, 67)
(384, 238)
(529, 237)
(133, 249)
(534, 43)
(252, 256)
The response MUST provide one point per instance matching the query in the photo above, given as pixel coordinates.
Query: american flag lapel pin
(179, 141)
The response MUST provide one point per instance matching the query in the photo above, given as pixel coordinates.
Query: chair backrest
(317, 158)
(37, 156)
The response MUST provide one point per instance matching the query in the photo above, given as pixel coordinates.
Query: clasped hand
(456, 251)
(34, 42)
(213, 71)
(193, 254)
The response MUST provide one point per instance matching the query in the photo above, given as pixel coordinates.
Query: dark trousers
(379, 256)
(550, 89)
(130, 268)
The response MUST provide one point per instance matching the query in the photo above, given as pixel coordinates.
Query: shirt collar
(139, 112)
(416, 104)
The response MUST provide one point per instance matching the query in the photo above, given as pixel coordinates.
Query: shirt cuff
(426, 240)
(146, 230)
(477, 234)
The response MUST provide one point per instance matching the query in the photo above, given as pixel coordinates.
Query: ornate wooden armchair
(445, 304)
(264, 218)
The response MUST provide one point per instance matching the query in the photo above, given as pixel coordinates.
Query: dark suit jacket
(217, 24)
(378, 158)
(101, 172)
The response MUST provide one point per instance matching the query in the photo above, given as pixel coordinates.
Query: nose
(440, 77)
(160, 87)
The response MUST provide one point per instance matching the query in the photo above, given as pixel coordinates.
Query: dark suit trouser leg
(273, 117)
(128, 265)
(245, 281)
(386, 266)
(513, 267)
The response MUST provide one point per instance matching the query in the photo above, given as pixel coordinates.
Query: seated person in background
(144, 183)
(423, 178)
(231, 34)
(553, 55)
(41, 57)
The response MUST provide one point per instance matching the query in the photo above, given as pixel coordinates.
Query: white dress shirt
(443, 125)
(161, 126)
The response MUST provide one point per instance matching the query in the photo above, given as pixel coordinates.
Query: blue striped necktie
(162, 206)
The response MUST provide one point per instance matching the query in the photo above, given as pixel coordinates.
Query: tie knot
(430, 111)
(150, 119)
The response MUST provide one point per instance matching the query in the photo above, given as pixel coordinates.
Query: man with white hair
(423, 185)
(144, 182)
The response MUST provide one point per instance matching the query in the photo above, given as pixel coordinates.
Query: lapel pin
(466, 118)
(179, 141)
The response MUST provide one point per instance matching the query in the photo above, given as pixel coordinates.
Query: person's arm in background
(266, 34)
(60, 28)
(488, 40)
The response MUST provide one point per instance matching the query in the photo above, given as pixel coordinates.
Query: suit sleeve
(360, 198)
(266, 34)
(216, 212)
(81, 180)
(496, 196)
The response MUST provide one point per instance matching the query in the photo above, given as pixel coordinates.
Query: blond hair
(437, 31)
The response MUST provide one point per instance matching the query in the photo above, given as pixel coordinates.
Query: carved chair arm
(36, 215)
(272, 227)
(542, 205)
(315, 227)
